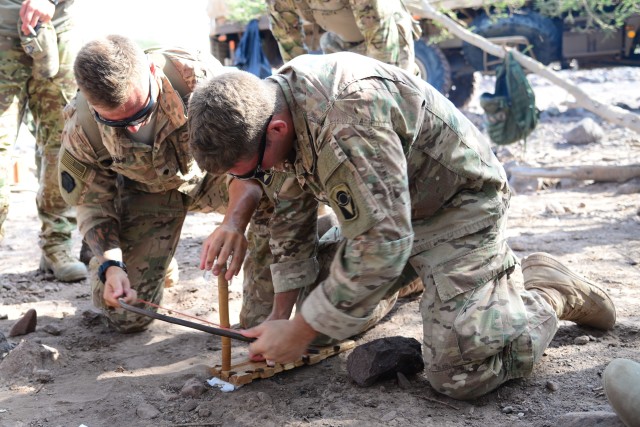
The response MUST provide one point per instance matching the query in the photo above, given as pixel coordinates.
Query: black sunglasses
(258, 171)
(134, 120)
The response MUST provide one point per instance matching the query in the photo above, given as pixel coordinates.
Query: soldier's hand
(224, 244)
(33, 11)
(117, 286)
(280, 341)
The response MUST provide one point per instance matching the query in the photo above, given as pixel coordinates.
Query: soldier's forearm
(104, 241)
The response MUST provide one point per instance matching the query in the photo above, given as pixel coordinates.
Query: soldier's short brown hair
(227, 117)
(106, 69)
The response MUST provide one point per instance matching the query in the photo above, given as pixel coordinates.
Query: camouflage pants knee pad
(118, 318)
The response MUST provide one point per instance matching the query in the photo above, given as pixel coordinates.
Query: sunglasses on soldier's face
(138, 118)
(258, 171)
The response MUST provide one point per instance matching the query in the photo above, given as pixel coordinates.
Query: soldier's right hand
(226, 246)
(34, 11)
(117, 286)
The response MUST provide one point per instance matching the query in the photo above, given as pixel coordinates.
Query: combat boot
(172, 275)
(63, 266)
(572, 297)
(621, 381)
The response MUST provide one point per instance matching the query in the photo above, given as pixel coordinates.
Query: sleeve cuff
(291, 275)
(322, 316)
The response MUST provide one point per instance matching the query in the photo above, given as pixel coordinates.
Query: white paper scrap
(222, 385)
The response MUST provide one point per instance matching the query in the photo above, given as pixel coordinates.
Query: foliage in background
(243, 11)
(605, 14)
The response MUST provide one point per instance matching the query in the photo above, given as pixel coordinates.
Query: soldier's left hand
(226, 242)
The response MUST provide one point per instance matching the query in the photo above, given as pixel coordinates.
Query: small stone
(43, 375)
(590, 419)
(581, 340)
(204, 412)
(585, 132)
(192, 388)
(53, 329)
(147, 411)
(26, 324)
(189, 405)
(4, 316)
(507, 410)
(552, 386)
(389, 416)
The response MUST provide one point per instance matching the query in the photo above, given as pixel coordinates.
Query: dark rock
(26, 325)
(383, 359)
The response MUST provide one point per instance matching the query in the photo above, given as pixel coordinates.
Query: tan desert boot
(63, 266)
(621, 380)
(573, 297)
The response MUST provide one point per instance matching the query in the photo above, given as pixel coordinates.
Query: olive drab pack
(162, 57)
(511, 111)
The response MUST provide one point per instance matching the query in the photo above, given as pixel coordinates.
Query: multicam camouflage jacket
(353, 21)
(403, 169)
(88, 173)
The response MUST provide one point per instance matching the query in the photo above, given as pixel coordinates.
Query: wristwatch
(102, 271)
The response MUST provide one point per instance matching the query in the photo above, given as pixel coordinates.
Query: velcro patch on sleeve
(72, 165)
(342, 198)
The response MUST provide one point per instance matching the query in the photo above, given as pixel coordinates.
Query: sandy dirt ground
(157, 378)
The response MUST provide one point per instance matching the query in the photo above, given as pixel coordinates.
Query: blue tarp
(249, 55)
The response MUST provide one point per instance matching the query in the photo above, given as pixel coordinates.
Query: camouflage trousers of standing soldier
(393, 44)
(150, 227)
(45, 99)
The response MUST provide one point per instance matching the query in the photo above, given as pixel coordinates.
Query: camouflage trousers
(45, 99)
(481, 327)
(393, 44)
(150, 227)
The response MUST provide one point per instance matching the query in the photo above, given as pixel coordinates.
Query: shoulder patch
(341, 196)
(74, 166)
(67, 182)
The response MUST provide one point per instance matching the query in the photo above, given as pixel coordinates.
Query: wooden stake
(223, 306)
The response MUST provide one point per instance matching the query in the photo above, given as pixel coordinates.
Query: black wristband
(102, 271)
(54, 2)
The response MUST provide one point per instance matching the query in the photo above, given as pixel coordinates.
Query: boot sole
(534, 260)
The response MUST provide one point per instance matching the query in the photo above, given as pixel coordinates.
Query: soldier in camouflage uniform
(23, 84)
(415, 187)
(125, 164)
(381, 29)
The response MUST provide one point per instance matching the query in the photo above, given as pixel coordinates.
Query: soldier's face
(134, 113)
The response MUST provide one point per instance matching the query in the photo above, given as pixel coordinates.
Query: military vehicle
(449, 64)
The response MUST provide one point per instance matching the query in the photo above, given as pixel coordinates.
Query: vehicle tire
(462, 89)
(541, 32)
(433, 66)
